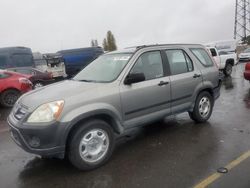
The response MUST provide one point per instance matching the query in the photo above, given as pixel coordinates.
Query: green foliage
(246, 40)
(109, 43)
(105, 45)
(94, 43)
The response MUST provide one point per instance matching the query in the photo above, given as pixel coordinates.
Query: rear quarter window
(203, 57)
(4, 75)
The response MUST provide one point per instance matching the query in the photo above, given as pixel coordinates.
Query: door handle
(163, 83)
(196, 75)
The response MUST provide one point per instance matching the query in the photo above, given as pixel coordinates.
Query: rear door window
(202, 55)
(179, 62)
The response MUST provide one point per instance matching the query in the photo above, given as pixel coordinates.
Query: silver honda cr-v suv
(81, 118)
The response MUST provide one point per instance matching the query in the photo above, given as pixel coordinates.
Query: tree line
(109, 42)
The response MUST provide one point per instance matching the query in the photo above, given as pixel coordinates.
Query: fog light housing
(34, 142)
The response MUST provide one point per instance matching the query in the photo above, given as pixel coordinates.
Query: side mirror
(134, 78)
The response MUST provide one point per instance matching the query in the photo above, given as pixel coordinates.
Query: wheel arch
(208, 89)
(10, 88)
(37, 81)
(79, 121)
(230, 61)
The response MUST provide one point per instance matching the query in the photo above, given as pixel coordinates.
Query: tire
(38, 85)
(203, 107)
(228, 69)
(9, 97)
(91, 145)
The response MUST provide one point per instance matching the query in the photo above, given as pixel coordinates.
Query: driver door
(141, 100)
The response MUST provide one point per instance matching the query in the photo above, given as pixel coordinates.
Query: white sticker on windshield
(123, 58)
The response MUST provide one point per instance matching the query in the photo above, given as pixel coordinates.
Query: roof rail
(152, 45)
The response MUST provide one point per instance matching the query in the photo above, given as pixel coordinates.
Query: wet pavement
(174, 153)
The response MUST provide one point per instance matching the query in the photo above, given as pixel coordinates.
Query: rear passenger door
(209, 71)
(184, 78)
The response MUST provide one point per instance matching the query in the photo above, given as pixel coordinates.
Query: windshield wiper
(86, 80)
(94, 81)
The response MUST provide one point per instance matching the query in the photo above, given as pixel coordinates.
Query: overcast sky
(52, 25)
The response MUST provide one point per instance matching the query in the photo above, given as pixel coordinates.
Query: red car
(12, 85)
(37, 77)
(247, 72)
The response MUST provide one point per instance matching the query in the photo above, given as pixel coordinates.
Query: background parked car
(37, 77)
(247, 72)
(245, 55)
(15, 57)
(76, 59)
(12, 85)
(224, 60)
(52, 62)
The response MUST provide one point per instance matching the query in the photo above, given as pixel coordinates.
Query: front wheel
(9, 97)
(228, 69)
(91, 145)
(38, 85)
(203, 107)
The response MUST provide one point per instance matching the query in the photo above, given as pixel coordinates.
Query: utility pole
(242, 19)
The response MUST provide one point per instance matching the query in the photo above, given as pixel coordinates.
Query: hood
(244, 54)
(59, 91)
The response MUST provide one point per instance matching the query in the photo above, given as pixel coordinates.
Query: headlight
(47, 112)
(24, 81)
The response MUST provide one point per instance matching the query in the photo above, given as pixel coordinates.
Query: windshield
(106, 68)
(247, 50)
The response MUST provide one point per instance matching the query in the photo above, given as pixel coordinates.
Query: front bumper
(216, 90)
(244, 59)
(41, 140)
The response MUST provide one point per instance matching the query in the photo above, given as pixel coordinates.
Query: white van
(52, 63)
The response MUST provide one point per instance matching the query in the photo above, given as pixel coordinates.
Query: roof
(97, 48)
(15, 48)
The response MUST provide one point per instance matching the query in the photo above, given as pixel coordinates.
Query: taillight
(247, 66)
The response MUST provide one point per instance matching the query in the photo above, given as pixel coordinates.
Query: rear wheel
(228, 69)
(91, 145)
(9, 97)
(203, 107)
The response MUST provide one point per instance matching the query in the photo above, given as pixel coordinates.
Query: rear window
(202, 55)
(22, 60)
(213, 52)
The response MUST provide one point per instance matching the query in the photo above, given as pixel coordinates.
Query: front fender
(88, 111)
